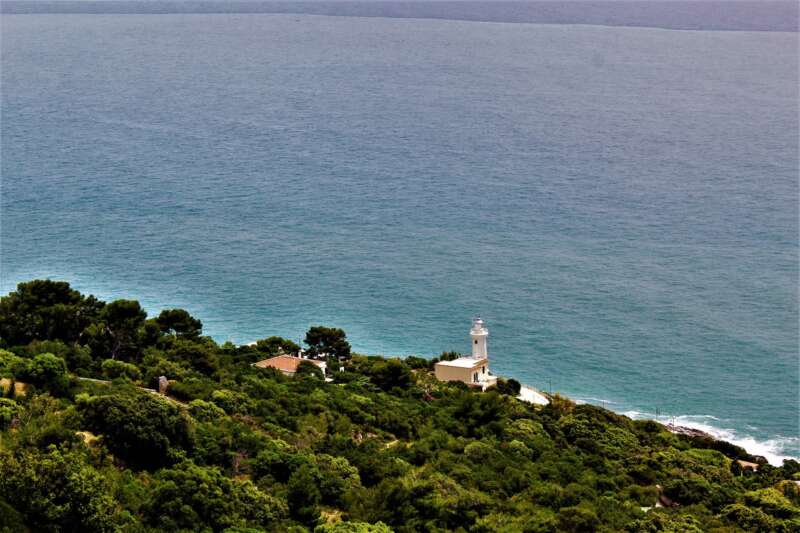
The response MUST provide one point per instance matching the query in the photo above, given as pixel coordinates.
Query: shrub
(192, 388)
(772, 502)
(143, 430)
(10, 519)
(417, 363)
(8, 411)
(391, 373)
(78, 358)
(155, 364)
(200, 355)
(309, 369)
(303, 494)
(57, 491)
(232, 402)
(189, 497)
(511, 387)
(278, 461)
(10, 364)
(205, 411)
(659, 520)
(119, 369)
(337, 478)
(578, 519)
(47, 371)
(688, 490)
(748, 518)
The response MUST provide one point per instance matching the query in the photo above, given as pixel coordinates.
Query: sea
(611, 186)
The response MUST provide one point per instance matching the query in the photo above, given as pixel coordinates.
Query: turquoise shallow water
(619, 204)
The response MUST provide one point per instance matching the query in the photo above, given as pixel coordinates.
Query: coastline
(771, 450)
(775, 448)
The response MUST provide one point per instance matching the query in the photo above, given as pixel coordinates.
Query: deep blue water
(619, 204)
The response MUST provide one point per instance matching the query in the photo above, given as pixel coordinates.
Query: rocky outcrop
(690, 432)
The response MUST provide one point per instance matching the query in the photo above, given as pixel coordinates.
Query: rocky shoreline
(690, 432)
(697, 433)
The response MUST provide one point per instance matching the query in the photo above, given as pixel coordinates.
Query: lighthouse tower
(479, 334)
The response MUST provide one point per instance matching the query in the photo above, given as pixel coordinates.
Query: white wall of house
(446, 372)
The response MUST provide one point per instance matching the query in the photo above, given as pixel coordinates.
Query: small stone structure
(163, 384)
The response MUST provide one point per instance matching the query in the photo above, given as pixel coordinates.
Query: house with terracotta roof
(288, 364)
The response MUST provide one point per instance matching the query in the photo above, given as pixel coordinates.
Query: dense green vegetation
(383, 447)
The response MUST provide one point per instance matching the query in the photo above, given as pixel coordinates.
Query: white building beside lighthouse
(472, 370)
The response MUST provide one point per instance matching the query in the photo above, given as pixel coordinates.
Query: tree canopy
(179, 322)
(324, 341)
(45, 310)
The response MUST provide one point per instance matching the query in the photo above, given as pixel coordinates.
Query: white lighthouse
(470, 369)
(479, 335)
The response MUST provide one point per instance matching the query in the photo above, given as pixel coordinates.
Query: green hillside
(382, 447)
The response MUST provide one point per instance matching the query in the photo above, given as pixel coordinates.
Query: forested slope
(383, 447)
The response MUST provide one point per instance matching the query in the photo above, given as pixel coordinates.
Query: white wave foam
(773, 450)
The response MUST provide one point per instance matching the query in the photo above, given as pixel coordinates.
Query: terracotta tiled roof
(285, 363)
